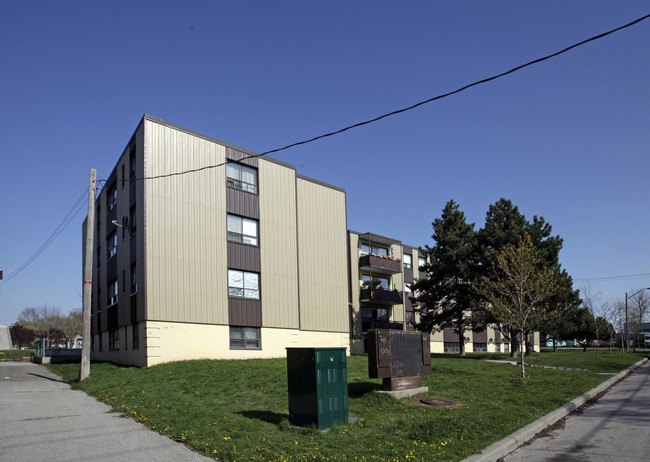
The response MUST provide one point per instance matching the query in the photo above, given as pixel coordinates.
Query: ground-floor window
(245, 338)
(480, 347)
(452, 347)
(136, 337)
(114, 339)
(497, 347)
(506, 348)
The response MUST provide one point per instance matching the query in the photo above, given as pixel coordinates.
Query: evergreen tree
(445, 298)
(506, 226)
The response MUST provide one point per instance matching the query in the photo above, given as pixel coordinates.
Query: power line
(615, 278)
(78, 205)
(73, 212)
(414, 106)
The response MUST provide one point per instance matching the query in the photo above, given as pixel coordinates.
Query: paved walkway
(43, 419)
(616, 427)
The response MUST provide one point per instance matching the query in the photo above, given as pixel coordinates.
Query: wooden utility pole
(84, 372)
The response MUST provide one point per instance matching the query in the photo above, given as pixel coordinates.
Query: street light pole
(627, 324)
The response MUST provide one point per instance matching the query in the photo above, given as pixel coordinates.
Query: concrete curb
(508, 444)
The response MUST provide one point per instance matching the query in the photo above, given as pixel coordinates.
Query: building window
(111, 198)
(506, 348)
(243, 284)
(132, 162)
(480, 347)
(367, 249)
(241, 177)
(112, 292)
(452, 347)
(421, 262)
(409, 318)
(136, 337)
(408, 260)
(497, 347)
(132, 221)
(374, 282)
(134, 279)
(111, 245)
(245, 338)
(114, 340)
(407, 289)
(242, 230)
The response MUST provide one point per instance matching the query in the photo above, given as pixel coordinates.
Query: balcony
(381, 296)
(379, 264)
(367, 324)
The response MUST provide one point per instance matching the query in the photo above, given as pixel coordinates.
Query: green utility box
(318, 386)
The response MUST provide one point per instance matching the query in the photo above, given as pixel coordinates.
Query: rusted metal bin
(318, 386)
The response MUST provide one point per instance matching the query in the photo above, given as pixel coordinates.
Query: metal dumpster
(318, 386)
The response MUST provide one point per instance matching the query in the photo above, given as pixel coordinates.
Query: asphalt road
(43, 419)
(615, 427)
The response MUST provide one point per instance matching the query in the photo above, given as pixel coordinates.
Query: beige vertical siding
(322, 251)
(398, 282)
(186, 264)
(353, 251)
(354, 270)
(278, 245)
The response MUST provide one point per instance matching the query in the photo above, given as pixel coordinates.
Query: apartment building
(205, 250)
(240, 257)
(382, 270)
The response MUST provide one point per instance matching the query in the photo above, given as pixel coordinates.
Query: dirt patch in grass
(434, 402)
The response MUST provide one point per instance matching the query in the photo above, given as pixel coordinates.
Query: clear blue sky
(567, 139)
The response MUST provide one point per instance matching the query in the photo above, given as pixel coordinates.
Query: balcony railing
(380, 324)
(381, 296)
(383, 264)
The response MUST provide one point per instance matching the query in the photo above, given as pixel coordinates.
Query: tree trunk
(513, 344)
(523, 365)
(554, 345)
(461, 341)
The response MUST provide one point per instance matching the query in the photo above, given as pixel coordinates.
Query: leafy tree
(444, 298)
(73, 326)
(518, 289)
(590, 328)
(21, 336)
(40, 318)
(55, 337)
(50, 323)
(560, 325)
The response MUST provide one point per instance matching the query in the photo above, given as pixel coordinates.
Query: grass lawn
(15, 355)
(601, 361)
(238, 410)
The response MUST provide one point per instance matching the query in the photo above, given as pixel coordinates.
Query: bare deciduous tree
(518, 289)
(638, 310)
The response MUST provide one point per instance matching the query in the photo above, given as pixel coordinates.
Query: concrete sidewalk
(42, 418)
(621, 436)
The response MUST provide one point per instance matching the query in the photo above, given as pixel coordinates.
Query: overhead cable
(416, 105)
(73, 212)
